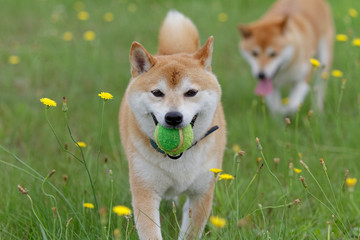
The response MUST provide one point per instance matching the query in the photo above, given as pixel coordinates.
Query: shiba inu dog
(279, 46)
(173, 88)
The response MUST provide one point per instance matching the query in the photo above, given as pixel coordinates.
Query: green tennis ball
(173, 141)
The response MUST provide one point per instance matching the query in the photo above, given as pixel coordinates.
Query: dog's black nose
(173, 118)
(261, 75)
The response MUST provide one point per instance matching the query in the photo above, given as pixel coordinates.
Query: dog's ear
(244, 30)
(283, 23)
(204, 54)
(141, 61)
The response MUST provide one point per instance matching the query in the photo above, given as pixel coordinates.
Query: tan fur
(171, 42)
(310, 19)
(300, 23)
(174, 64)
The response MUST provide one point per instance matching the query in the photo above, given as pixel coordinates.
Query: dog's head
(173, 90)
(265, 45)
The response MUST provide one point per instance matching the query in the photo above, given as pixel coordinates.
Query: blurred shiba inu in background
(174, 88)
(279, 46)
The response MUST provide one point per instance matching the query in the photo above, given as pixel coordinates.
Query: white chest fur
(169, 178)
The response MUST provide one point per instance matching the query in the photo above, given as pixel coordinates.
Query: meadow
(52, 48)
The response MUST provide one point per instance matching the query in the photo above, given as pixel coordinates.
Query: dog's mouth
(192, 123)
(155, 120)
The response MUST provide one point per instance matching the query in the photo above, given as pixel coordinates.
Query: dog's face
(266, 48)
(173, 90)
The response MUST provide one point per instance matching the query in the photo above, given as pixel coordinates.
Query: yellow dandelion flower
(300, 155)
(337, 73)
(132, 7)
(81, 144)
(297, 170)
(105, 95)
(83, 15)
(48, 102)
(109, 17)
(67, 36)
(88, 205)
(236, 148)
(356, 42)
(353, 13)
(218, 221)
(122, 210)
(226, 176)
(79, 6)
(258, 160)
(285, 101)
(341, 37)
(314, 62)
(14, 59)
(215, 170)
(89, 35)
(351, 182)
(222, 17)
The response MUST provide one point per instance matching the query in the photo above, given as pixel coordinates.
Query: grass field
(43, 53)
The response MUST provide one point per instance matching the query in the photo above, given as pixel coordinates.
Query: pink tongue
(264, 87)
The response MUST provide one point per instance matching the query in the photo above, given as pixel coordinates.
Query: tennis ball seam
(181, 141)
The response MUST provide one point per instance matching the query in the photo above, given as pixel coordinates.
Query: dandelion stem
(100, 141)
(267, 166)
(127, 228)
(263, 216)
(236, 184)
(57, 138)
(334, 211)
(67, 228)
(83, 160)
(110, 209)
(317, 183)
(37, 217)
(55, 205)
(313, 196)
(54, 229)
(332, 190)
(272, 207)
(252, 180)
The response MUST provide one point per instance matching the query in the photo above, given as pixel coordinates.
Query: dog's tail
(177, 34)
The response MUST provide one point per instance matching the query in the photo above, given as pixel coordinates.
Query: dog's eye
(255, 53)
(157, 93)
(191, 93)
(272, 54)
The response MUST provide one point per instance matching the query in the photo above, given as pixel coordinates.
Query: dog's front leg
(146, 210)
(196, 211)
